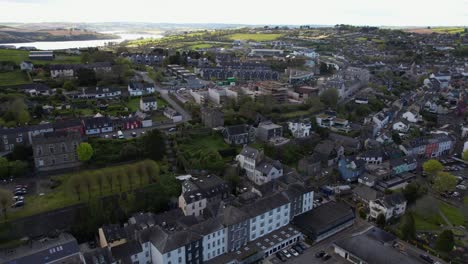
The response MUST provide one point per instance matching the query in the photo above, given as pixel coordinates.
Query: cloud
(358, 12)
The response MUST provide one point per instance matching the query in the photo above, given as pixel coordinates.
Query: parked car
(17, 204)
(281, 257)
(293, 252)
(320, 254)
(18, 198)
(461, 187)
(172, 129)
(286, 253)
(326, 257)
(134, 134)
(302, 245)
(427, 258)
(114, 136)
(298, 249)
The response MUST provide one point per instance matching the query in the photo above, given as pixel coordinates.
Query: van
(120, 134)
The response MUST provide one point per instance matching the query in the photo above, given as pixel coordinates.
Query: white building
(393, 205)
(400, 127)
(148, 104)
(26, 66)
(259, 169)
(172, 114)
(410, 117)
(139, 89)
(299, 129)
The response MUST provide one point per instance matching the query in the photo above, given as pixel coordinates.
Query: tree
(4, 168)
(465, 155)
(18, 168)
(6, 198)
(120, 178)
(88, 182)
(432, 167)
(22, 152)
(153, 144)
(380, 221)
(330, 97)
(99, 177)
(142, 172)
(444, 181)
(68, 86)
(362, 212)
(86, 77)
(110, 180)
(77, 185)
(85, 151)
(413, 191)
(408, 227)
(445, 241)
(130, 173)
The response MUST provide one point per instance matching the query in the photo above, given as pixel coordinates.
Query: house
(97, 125)
(140, 88)
(56, 150)
(310, 166)
(350, 168)
(372, 246)
(390, 206)
(172, 115)
(411, 117)
(63, 248)
(300, 129)
(350, 145)
(35, 89)
(400, 127)
(429, 147)
(403, 165)
(329, 120)
(68, 125)
(212, 117)
(259, 168)
(365, 194)
(328, 152)
(267, 131)
(26, 66)
(11, 137)
(373, 156)
(381, 120)
(239, 134)
(41, 55)
(198, 193)
(101, 93)
(126, 123)
(148, 103)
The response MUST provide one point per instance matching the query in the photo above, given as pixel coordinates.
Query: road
(165, 95)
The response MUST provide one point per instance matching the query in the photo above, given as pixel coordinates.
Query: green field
(65, 194)
(13, 78)
(449, 30)
(17, 56)
(254, 37)
(453, 214)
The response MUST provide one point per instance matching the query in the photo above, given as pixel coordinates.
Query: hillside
(9, 34)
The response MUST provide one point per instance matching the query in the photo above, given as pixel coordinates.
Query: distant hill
(32, 32)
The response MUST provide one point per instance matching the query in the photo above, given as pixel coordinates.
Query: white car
(294, 252)
(461, 187)
(286, 253)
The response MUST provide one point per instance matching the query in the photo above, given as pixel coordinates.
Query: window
(39, 150)
(180, 259)
(64, 147)
(65, 157)
(168, 254)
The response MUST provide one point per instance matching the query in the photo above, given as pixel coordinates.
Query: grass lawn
(200, 46)
(65, 194)
(465, 200)
(211, 142)
(13, 78)
(161, 103)
(254, 37)
(425, 224)
(449, 30)
(158, 117)
(453, 214)
(133, 104)
(17, 56)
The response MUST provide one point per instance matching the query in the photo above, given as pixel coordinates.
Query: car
(286, 253)
(172, 129)
(120, 134)
(114, 136)
(302, 245)
(24, 186)
(326, 257)
(461, 187)
(18, 198)
(298, 249)
(320, 254)
(106, 136)
(427, 258)
(134, 134)
(17, 204)
(293, 252)
(142, 133)
(281, 257)
(19, 192)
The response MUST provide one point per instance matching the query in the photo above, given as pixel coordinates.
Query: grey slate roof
(371, 250)
(166, 241)
(366, 192)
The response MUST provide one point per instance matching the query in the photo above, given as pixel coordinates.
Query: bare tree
(99, 177)
(6, 197)
(110, 180)
(77, 185)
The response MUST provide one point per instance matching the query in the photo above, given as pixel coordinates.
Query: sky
(261, 12)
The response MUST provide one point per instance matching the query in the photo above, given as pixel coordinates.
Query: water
(57, 45)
